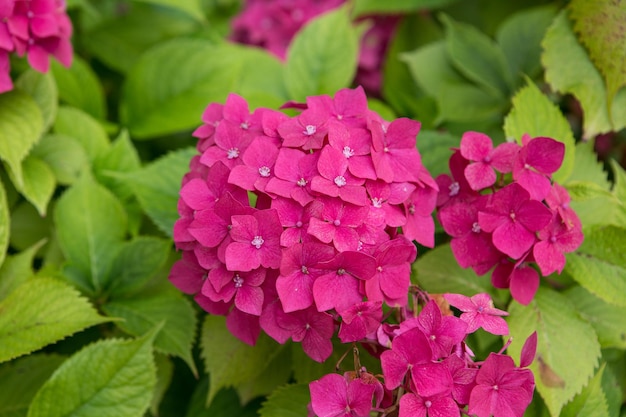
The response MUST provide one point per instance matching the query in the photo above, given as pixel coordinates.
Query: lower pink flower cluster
(37, 29)
(428, 370)
(502, 210)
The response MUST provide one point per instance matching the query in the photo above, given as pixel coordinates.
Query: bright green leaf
(619, 187)
(21, 379)
(583, 80)
(220, 350)
(599, 265)
(43, 89)
(375, 7)
(108, 378)
(21, 124)
(5, 223)
(157, 185)
(591, 401)
(91, 225)
(586, 190)
(83, 128)
(170, 86)
(39, 183)
(600, 26)
(287, 401)
(477, 57)
(588, 168)
(533, 113)
(563, 339)
(121, 157)
(79, 87)
(322, 57)
(16, 269)
(609, 321)
(39, 312)
(192, 7)
(143, 313)
(64, 155)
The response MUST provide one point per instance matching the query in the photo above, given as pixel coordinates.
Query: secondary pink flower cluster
(428, 370)
(37, 29)
(290, 223)
(502, 210)
(273, 24)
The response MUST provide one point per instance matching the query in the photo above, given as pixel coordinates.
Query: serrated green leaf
(586, 190)
(322, 58)
(612, 391)
(108, 378)
(375, 7)
(39, 183)
(438, 272)
(21, 125)
(226, 403)
(619, 186)
(43, 89)
(157, 186)
(141, 314)
(477, 57)
(91, 226)
(583, 80)
(599, 265)
(39, 312)
(220, 350)
(591, 401)
(287, 401)
(169, 87)
(563, 339)
(79, 87)
(21, 379)
(609, 321)
(520, 37)
(83, 128)
(588, 168)
(64, 155)
(165, 372)
(277, 373)
(434, 147)
(121, 157)
(533, 113)
(136, 262)
(5, 223)
(191, 7)
(16, 269)
(600, 25)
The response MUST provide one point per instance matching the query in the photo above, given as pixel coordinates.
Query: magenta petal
(412, 406)
(329, 395)
(475, 146)
(38, 58)
(249, 299)
(513, 239)
(545, 154)
(44, 26)
(480, 175)
(524, 283)
(243, 326)
(528, 350)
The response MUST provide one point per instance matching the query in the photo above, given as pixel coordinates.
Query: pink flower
(295, 219)
(409, 349)
(314, 329)
(442, 332)
(478, 149)
(537, 160)
(519, 277)
(554, 241)
(478, 311)
(337, 224)
(360, 320)
(335, 396)
(390, 282)
(558, 199)
(223, 285)
(256, 241)
(335, 180)
(394, 153)
(257, 168)
(293, 172)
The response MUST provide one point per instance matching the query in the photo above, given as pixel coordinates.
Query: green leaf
(43, 89)
(582, 80)
(563, 339)
(533, 113)
(121, 157)
(275, 374)
(375, 7)
(39, 312)
(600, 25)
(588, 168)
(169, 87)
(5, 223)
(85, 129)
(322, 58)
(79, 87)
(520, 37)
(64, 155)
(21, 124)
(287, 401)
(165, 372)
(599, 265)
(438, 272)
(136, 263)
(21, 379)
(91, 226)
(108, 378)
(477, 57)
(191, 7)
(619, 187)
(609, 321)
(434, 147)
(226, 403)
(141, 314)
(591, 401)
(38, 183)
(157, 185)
(221, 350)
(16, 269)
(612, 391)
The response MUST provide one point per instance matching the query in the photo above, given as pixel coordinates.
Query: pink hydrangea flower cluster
(273, 24)
(502, 210)
(428, 370)
(290, 224)
(37, 29)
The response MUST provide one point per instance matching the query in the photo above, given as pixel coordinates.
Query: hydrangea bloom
(37, 29)
(511, 222)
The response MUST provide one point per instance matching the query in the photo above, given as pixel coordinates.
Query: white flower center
(257, 242)
(476, 227)
(310, 130)
(238, 281)
(302, 182)
(337, 222)
(245, 125)
(348, 152)
(377, 202)
(264, 171)
(340, 181)
(304, 269)
(232, 153)
(454, 189)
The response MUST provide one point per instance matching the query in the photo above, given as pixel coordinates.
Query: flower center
(480, 309)
(454, 189)
(495, 388)
(512, 215)
(386, 149)
(245, 125)
(379, 269)
(298, 224)
(411, 208)
(232, 153)
(264, 171)
(348, 152)
(428, 404)
(487, 159)
(552, 239)
(238, 281)
(377, 202)
(340, 181)
(257, 242)
(341, 271)
(337, 222)
(476, 227)
(304, 269)
(310, 130)
(301, 182)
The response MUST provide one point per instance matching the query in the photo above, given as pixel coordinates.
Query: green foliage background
(92, 159)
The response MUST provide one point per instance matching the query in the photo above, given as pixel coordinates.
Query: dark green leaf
(165, 372)
(191, 7)
(373, 7)
(16, 269)
(435, 149)
(121, 157)
(5, 223)
(287, 401)
(277, 373)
